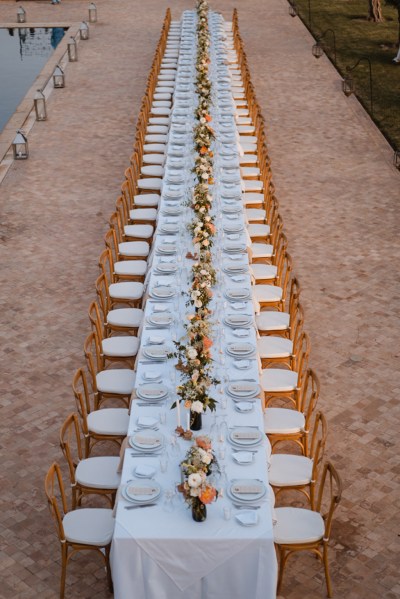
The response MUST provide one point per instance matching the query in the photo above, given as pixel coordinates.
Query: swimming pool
(24, 52)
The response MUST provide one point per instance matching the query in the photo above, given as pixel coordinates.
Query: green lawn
(357, 37)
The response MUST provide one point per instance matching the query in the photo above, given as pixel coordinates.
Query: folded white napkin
(147, 440)
(147, 421)
(150, 375)
(246, 434)
(248, 518)
(156, 340)
(246, 489)
(144, 470)
(243, 457)
(135, 490)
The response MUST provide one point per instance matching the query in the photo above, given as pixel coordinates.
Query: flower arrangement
(194, 359)
(198, 464)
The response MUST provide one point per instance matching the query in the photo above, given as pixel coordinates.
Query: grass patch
(357, 37)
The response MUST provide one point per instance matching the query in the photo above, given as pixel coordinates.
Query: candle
(178, 411)
(188, 420)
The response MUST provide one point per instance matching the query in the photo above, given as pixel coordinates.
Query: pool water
(23, 54)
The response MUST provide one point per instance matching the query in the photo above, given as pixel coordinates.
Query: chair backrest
(122, 208)
(82, 399)
(70, 443)
(55, 493)
(300, 359)
(106, 265)
(92, 350)
(329, 496)
(284, 273)
(103, 296)
(309, 396)
(116, 224)
(110, 239)
(96, 320)
(317, 443)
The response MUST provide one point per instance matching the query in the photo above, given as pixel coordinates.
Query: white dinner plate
(151, 391)
(235, 485)
(164, 319)
(156, 352)
(128, 494)
(240, 349)
(255, 436)
(162, 291)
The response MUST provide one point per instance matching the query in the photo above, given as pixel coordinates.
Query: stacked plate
(232, 209)
(162, 292)
(237, 294)
(235, 248)
(243, 391)
(166, 249)
(166, 268)
(233, 227)
(235, 269)
(162, 320)
(245, 437)
(172, 211)
(238, 320)
(152, 392)
(240, 349)
(246, 490)
(169, 229)
(156, 353)
(147, 441)
(141, 492)
(173, 193)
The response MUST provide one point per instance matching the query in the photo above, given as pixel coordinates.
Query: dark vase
(199, 511)
(195, 421)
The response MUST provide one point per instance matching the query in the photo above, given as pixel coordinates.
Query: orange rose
(211, 227)
(208, 118)
(207, 343)
(203, 442)
(203, 150)
(208, 495)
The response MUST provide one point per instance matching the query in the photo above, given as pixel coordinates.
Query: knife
(135, 507)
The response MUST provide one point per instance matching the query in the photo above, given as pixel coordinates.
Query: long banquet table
(160, 552)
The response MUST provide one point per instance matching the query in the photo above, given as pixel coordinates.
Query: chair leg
(326, 567)
(282, 562)
(64, 561)
(108, 568)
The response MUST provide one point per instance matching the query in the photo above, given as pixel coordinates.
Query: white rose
(197, 407)
(194, 480)
(191, 353)
(198, 304)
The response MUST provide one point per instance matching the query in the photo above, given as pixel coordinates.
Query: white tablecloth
(158, 554)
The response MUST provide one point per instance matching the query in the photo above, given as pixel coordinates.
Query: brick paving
(339, 198)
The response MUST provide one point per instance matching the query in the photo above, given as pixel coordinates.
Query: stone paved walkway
(339, 199)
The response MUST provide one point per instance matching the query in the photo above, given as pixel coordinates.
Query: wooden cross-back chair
(78, 530)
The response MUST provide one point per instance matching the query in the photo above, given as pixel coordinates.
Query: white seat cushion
(158, 129)
(297, 525)
(264, 271)
(272, 320)
(286, 469)
(267, 293)
(149, 184)
(124, 347)
(162, 96)
(248, 139)
(255, 214)
(160, 120)
(134, 248)
(253, 197)
(146, 199)
(245, 129)
(248, 148)
(132, 268)
(160, 110)
(130, 318)
(140, 214)
(249, 171)
(119, 381)
(243, 120)
(109, 421)
(258, 230)
(89, 526)
(126, 290)
(274, 347)
(278, 379)
(154, 148)
(242, 112)
(262, 250)
(99, 472)
(140, 231)
(283, 421)
(153, 159)
(156, 138)
(252, 185)
(152, 170)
